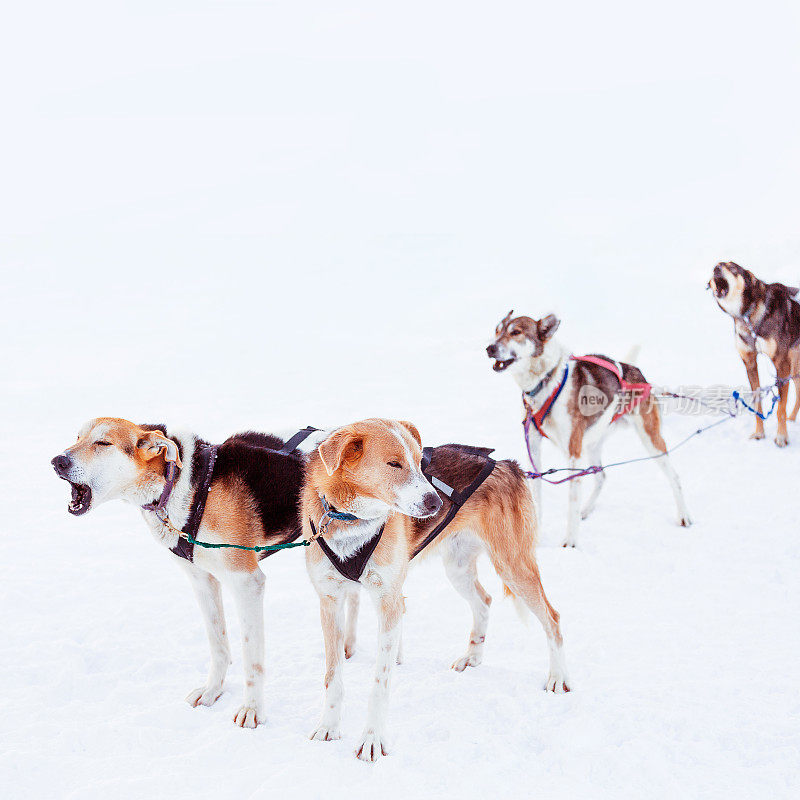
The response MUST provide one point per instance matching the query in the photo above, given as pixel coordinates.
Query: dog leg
(750, 359)
(520, 575)
(573, 507)
(209, 597)
(783, 368)
(647, 425)
(794, 366)
(399, 658)
(351, 626)
(596, 458)
(389, 605)
(248, 592)
(534, 441)
(332, 612)
(461, 569)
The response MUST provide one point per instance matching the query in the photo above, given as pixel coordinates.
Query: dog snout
(432, 503)
(491, 351)
(61, 464)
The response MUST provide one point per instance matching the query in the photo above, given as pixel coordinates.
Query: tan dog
(252, 500)
(371, 470)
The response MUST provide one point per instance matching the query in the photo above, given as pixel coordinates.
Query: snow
(231, 215)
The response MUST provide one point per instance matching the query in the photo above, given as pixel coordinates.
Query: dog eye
(394, 464)
(103, 444)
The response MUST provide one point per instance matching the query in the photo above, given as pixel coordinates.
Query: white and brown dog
(766, 319)
(368, 500)
(243, 492)
(579, 415)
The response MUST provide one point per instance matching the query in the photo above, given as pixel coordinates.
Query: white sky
(286, 184)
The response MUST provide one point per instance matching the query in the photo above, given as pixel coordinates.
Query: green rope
(258, 549)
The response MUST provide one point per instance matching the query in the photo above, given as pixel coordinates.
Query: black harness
(207, 454)
(353, 566)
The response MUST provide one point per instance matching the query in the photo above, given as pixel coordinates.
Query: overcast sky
(310, 177)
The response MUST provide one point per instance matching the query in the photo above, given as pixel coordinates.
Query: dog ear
(547, 326)
(506, 319)
(782, 287)
(412, 429)
(153, 443)
(342, 445)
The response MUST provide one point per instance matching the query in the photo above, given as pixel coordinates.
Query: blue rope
(775, 397)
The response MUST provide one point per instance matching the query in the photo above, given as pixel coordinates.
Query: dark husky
(766, 320)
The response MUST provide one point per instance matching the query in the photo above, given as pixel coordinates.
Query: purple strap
(536, 475)
(159, 504)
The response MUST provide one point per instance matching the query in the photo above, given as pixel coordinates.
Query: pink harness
(633, 393)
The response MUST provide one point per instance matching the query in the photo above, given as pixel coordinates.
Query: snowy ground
(230, 216)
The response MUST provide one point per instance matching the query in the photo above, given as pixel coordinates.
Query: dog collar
(331, 512)
(158, 505)
(542, 383)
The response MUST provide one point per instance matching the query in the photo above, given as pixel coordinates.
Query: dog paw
(757, 435)
(325, 733)
(349, 649)
(781, 440)
(570, 543)
(248, 717)
(372, 747)
(685, 521)
(557, 683)
(469, 660)
(204, 696)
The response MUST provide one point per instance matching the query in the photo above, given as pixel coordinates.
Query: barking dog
(580, 416)
(366, 480)
(252, 500)
(766, 320)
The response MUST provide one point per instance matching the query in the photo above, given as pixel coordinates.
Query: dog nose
(491, 350)
(61, 464)
(432, 503)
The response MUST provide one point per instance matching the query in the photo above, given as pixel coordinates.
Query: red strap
(634, 392)
(539, 417)
(600, 362)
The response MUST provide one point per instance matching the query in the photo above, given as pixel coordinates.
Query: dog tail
(523, 612)
(632, 355)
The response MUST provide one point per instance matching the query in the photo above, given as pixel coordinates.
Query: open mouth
(718, 284)
(499, 365)
(720, 287)
(81, 499)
